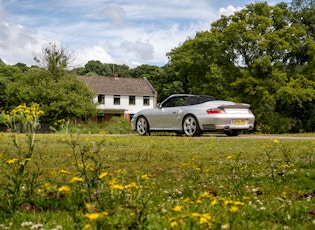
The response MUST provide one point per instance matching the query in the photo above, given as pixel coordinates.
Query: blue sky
(131, 32)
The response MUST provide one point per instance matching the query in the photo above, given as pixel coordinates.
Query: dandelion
(76, 179)
(238, 203)
(234, 209)
(117, 186)
(203, 220)
(62, 171)
(174, 224)
(214, 202)
(131, 185)
(197, 169)
(230, 156)
(145, 177)
(12, 161)
(275, 141)
(87, 227)
(93, 216)
(177, 208)
(64, 188)
(104, 174)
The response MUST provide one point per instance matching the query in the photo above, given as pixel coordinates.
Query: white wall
(124, 104)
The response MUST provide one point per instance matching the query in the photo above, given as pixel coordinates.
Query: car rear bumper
(226, 122)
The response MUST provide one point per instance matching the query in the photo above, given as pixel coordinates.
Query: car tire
(191, 126)
(142, 126)
(232, 133)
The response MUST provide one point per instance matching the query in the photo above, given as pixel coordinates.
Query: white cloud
(83, 55)
(142, 50)
(229, 10)
(117, 15)
(18, 44)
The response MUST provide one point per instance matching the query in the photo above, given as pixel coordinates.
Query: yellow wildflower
(234, 209)
(87, 227)
(12, 161)
(103, 174)
(131, 185)
(275, 141)
(76, 179)
(214, 202)
(238, 203)
(64, 188)
(117, 186)
(230, 157)
(93, 216)
(177, 208)
(145, 177)
(194, 214)
(174, 224)
(62, 171)
(203, 220)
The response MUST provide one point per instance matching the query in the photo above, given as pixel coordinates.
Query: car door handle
(174, 112)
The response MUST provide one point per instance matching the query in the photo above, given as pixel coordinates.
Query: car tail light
(215, 111)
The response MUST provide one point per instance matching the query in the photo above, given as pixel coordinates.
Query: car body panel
(169, 114)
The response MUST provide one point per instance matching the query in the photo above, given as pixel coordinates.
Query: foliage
(116, 125)
(129, 182)
(66, 98)
(304, 11)
(54, 59)
(96, 68)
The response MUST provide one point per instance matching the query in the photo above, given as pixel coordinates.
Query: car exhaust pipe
(226, 128)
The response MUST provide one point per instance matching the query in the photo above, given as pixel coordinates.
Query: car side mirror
(159, 105)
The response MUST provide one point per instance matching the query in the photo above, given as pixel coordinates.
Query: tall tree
(60, 94)
(55, 59)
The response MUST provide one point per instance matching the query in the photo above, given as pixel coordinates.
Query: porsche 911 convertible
(192, 115)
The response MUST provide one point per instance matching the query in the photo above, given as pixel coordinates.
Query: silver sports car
(194, 114)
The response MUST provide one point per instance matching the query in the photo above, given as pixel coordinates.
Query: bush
(116, 125)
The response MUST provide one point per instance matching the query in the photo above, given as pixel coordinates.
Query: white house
(118, 96)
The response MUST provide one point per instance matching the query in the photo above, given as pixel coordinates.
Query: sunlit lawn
(159, 182)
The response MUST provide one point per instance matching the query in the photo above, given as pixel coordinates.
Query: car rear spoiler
(235, 106)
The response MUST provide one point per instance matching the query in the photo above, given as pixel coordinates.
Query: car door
(168, 113)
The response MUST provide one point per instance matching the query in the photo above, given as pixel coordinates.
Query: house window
(101, 99)
(132, 100)
(146, 100)
(116, 99)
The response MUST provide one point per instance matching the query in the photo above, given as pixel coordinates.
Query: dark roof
(120, 85)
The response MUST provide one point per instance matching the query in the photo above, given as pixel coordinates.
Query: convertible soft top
(198, 99)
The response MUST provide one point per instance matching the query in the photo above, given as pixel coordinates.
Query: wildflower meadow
(81, 181)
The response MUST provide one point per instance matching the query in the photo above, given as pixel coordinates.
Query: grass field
(156, 182)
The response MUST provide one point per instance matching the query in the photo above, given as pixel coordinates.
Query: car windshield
(176, 101)
(186, 100)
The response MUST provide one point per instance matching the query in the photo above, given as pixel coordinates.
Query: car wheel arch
(198, 131)
(146, 129)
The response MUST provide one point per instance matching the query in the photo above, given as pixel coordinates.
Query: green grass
(160, 182)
